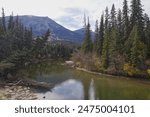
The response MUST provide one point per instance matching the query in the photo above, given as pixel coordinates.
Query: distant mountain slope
(81, 32)
(41, 24)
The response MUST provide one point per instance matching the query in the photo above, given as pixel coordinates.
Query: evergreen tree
(10, 23)
(101, 35)
(113, 16)
(3, 20)
(105, 51)
(133, 17)
(137, 17)
(87, 42)
(125, 20)
(147, 33)
(136, 50)
(106, 18)
(119, 40)
(113, 43)
(96, 40)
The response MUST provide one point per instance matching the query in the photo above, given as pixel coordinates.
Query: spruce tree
(113, 43)
(96, 40)
(105, 51)
(106, 18)
(87, 45)
(147, 33)
(120, 39)
(10, 23)
(101, 34)
(3, 20)
(113, 16)
(136, 50)
(125, 20)
(137, 17)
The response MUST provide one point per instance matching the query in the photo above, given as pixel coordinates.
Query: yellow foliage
(129, 69)
(148, 71)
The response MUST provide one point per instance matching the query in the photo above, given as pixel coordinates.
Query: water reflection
(74, 85)
(68, 90)
(92, 90)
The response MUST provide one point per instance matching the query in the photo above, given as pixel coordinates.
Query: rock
(17, 93)
(25, 88)
(69, 62)
(19, 87)
(9, 76)
(10, 91)
(13, 93)
(34, 98)
(6, 86)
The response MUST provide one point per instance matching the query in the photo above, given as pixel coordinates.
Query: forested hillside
(18, 48)
(122, 42)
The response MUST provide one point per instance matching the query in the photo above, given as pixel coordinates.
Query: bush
(148, 71)
(87, 61)
(130, 70)
(5, 67)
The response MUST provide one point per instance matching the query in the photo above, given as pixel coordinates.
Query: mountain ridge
(40, 25)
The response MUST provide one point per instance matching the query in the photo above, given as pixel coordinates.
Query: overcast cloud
(68, 13)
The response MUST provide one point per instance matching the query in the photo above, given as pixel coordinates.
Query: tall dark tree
(11, 23)
(87, 42)
(106, 18)
(120, 39)
(101, 34)
(96, 40)
(125, 20)
(3, 20)
(105, 51)
(113, 16)
(147, 33)
(138, 49)
(137, 17)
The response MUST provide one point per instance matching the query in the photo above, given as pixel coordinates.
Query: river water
(71, 84)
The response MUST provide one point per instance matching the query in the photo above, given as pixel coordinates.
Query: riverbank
(71, 64)
(23, 89)
(17, 92)
(107, 75)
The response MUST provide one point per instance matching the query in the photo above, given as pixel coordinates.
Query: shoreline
(109, 75)
(17, 92)
(71, 64)
(24, 89)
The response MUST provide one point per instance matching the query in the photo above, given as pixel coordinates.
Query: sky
(68, 13)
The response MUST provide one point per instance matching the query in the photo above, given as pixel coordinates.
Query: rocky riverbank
(17, 93)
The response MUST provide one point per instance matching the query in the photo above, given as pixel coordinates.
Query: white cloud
(69, 13)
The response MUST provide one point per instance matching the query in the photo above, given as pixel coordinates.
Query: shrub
(129, 69)
(148, 71)
(5, 67)
(87, 61)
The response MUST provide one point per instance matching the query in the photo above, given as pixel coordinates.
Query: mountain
(81, 32)
(41, 24)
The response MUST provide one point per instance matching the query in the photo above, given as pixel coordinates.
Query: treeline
(18, 47)
(121, 44)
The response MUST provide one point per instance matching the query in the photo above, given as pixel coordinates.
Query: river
(71, 84)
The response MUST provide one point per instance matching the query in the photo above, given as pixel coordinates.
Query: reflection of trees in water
(44, 68)
(94, 87)
(92, 90)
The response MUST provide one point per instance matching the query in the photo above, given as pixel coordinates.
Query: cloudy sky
(68, 13)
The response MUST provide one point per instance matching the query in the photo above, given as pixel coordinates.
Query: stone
(10, 91)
